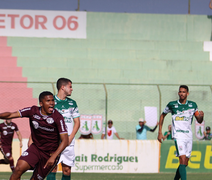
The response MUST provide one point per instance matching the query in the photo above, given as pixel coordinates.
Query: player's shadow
(210, 17)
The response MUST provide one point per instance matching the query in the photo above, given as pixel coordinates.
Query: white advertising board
(36, 23)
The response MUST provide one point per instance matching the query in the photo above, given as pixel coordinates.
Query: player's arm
(75, 129)
(160, 135)
(9, 115)
(102, 136)
(30, 141)
(199, 116)
(19, 137)
(64, 143)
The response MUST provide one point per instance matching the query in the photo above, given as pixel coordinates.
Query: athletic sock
(2, 161)
(182, 170)
(177, 175)
(64, 177)
(51, 176)
(11, 164)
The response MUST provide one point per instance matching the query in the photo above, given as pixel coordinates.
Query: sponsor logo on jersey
(70, 103)
(179, 118)
(176, 106)
(25, 153)
(4, 127)
(12, 127)
(49, 120)
(5, 133)
(8, 154)
(37, 117)
(190, 105)
(39, 177)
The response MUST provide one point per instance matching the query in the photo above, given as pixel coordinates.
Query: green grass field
(114, 176)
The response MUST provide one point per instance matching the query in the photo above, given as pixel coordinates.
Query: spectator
(110, 131)
(141, 129)
(88, 136)
(7, 129)
(207, 134)
(168, 134)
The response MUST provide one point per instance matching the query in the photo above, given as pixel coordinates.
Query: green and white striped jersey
(69, 110)
(182, 117)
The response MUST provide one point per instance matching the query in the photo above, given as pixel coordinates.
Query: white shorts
(183, 147)
(68, 156)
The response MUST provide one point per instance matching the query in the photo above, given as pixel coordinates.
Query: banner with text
(200, 160)
(36, 23)
(116, 156)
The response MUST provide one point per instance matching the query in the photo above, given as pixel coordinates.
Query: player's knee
(67, 171)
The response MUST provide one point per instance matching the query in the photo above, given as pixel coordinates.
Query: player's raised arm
(199, 116)
(160, 135)
(9, 115)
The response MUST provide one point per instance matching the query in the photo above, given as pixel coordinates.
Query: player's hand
(168, 132)
(157, 123)
(21, 144)
(160, 137)
(144, 122)
(201, 113)
(50, 162)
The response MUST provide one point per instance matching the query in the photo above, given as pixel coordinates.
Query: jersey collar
(182, 104)
(59, 98)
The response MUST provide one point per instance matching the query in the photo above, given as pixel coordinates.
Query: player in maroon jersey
(7, 129)
(49, 135)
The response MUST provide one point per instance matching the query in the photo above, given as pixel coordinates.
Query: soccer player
(69, 110)
(7, 129)
(47, 130)
(182, 112)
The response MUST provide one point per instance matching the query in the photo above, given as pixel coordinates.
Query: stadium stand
(123, 48)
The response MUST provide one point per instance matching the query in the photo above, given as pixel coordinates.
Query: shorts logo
(13, 127)
(8, 154)
(49, 120)
(25, 153)
(5, 133)
(180, 148)
(35, 124)
(37, 117)
(39, 177)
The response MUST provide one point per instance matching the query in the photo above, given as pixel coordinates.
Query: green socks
(181, 172)
(51, 176)
(64, 177)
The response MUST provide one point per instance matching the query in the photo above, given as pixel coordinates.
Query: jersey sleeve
(167, 109)
(26, 112)
(61, 125)
(147, 128)
(16, 127)
(76, 112)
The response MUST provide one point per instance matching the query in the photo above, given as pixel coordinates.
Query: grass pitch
(115, 176)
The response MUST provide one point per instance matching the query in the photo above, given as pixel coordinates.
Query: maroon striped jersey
(45, 129)
(7, 132)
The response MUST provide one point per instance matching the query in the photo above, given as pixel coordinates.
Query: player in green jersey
(69, 110)
(182, 112)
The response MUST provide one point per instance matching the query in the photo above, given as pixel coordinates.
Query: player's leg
(11, 161)
(66, 172)
(52, 174)
(21, 167)
(181, 153)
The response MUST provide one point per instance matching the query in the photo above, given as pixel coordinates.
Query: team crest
(12, 127)
(5, 133)
(97, 124)
(85, 124)
(35, 124)
(199, 129)
(49, 120)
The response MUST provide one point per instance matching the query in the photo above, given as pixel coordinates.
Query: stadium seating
(121, 48)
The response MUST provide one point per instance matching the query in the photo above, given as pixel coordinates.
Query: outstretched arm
(117, 135)
(9, 115)
(160, 135)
